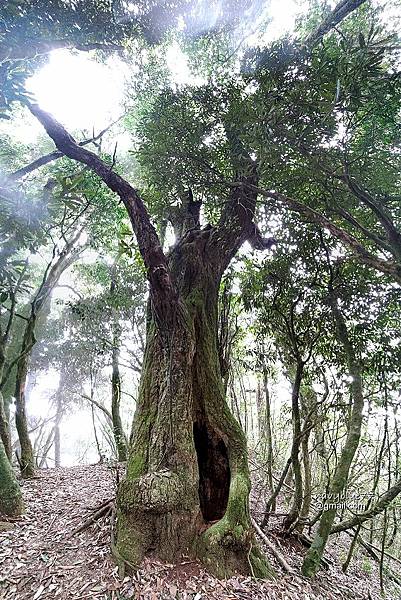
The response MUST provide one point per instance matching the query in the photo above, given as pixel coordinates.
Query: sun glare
(79, 91)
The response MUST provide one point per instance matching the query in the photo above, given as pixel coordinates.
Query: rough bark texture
(26, 459)
(171, 501)
(296, 505)
(40, 308)
(187, 482)
(11, 503)
(307, 476)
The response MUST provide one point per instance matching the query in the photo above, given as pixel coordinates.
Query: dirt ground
(41, 557)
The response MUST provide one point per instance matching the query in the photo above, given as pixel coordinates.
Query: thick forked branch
(163, 294)
(338, 14)
(380, 506)
(236, 224)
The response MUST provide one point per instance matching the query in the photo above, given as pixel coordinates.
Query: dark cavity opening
(214, 472)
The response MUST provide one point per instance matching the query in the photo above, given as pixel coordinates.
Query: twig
(280, 558)
(103, 511)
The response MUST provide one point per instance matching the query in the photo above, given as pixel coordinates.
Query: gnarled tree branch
(163, 293)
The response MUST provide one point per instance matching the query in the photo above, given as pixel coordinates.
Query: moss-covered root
(158, 513)
(228, 547)
(11, 504)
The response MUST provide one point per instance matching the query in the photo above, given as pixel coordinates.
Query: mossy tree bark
(5, 333)
(5, 434)
(339, 482)
(294, 512)
(118, 430)
(11, 503)
(187, 484)
(26, 458)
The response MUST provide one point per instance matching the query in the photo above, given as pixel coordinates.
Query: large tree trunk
(11, 503)
(187, 484)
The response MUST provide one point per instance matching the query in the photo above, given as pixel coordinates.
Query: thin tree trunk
(296, 506)
(40, 307)
(11, 503)
(307, 490)
(45, 449)
(265, 433)
(339, 482)
(118, 431)
(5, 433)
(378, 461)
(26, 458)
(272, 499)
(351, 550)
(57, 445)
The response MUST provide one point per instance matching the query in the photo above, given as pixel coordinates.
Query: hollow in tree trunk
(187, 484)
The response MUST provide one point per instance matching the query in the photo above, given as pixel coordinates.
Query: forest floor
(42, 558)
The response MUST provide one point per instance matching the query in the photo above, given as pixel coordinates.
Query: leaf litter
(42, 558)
